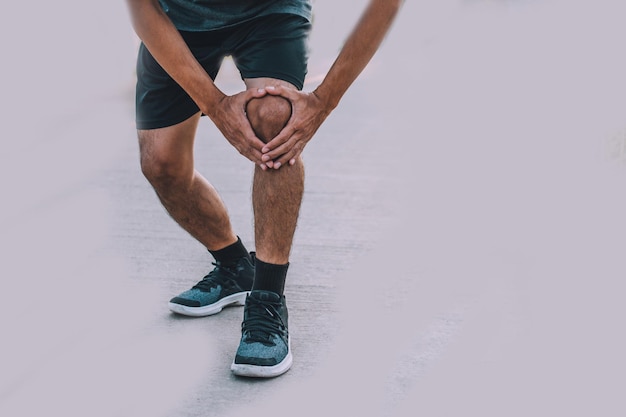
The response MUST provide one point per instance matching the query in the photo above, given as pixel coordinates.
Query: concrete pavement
(459, 251)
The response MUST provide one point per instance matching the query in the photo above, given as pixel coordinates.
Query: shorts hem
(299, 84)
(159, 124)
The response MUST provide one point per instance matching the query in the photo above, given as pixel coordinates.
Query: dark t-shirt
(202, 15)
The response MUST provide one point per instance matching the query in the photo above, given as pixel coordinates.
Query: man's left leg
(276, 195)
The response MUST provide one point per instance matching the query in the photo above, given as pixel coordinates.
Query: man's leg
(264, 349)
(167, 162)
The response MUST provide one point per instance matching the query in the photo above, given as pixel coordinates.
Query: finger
(251, 146)
(256, 143)
(251, 93)
(254, 155)
(249, 135)
(274, 154)
(286, 159)
(290, 157)
(283, 137)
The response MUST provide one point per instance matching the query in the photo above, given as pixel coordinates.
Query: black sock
(230, 254)
(270, 277)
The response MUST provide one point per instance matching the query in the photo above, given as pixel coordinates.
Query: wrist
(209, 100)
(328, 100)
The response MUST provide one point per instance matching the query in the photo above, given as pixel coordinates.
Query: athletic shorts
(273, 46)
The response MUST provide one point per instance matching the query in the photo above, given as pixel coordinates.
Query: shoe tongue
(265, 296)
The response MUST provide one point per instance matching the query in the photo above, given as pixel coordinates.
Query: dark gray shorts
(273, 46)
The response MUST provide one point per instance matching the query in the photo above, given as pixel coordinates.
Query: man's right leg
(168, 164)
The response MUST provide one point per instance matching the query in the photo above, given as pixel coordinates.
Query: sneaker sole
(238, 299)
(257, 371)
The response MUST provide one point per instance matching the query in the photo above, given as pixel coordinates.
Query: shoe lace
(262, 321)
(220, 275)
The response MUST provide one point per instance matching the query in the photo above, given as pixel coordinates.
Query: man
(183, 43)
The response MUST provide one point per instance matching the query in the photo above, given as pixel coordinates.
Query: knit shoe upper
(264, 349)
(224, 285)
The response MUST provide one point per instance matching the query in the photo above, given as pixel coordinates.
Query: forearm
(358, 50)
(167, 46)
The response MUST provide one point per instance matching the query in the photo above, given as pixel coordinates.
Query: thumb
(256, 92)
(279, 90)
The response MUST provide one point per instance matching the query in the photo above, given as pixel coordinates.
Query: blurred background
(461, 243)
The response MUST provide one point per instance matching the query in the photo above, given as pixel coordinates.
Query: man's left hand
(307, 115)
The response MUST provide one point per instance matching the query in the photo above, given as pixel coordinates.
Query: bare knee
(268, 115)
(165, 174)
(165, 171)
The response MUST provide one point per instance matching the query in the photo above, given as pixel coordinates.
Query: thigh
(276, 47)
(169, 146)
(159, 100)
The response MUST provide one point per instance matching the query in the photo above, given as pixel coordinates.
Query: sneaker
(264, 350)
(224, 286)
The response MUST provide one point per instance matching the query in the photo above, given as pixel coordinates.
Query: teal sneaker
(264, 350)
(226, 285)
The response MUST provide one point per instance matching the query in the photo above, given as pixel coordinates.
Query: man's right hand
(169, 49)
(229, 115)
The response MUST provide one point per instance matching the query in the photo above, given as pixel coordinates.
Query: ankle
(270, 277)
(231, 253)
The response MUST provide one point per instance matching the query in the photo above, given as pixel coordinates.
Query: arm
(167, 46)
(358, 50)
(311, 109)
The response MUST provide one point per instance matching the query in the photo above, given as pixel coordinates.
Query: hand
(307, 115)
(229, 115)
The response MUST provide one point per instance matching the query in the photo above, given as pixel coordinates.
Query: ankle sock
(270, 277)
(230, 254)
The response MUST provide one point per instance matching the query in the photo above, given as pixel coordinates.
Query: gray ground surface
(460, 248)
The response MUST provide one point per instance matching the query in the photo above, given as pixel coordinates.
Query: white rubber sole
(256, 371)
(238, 299)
